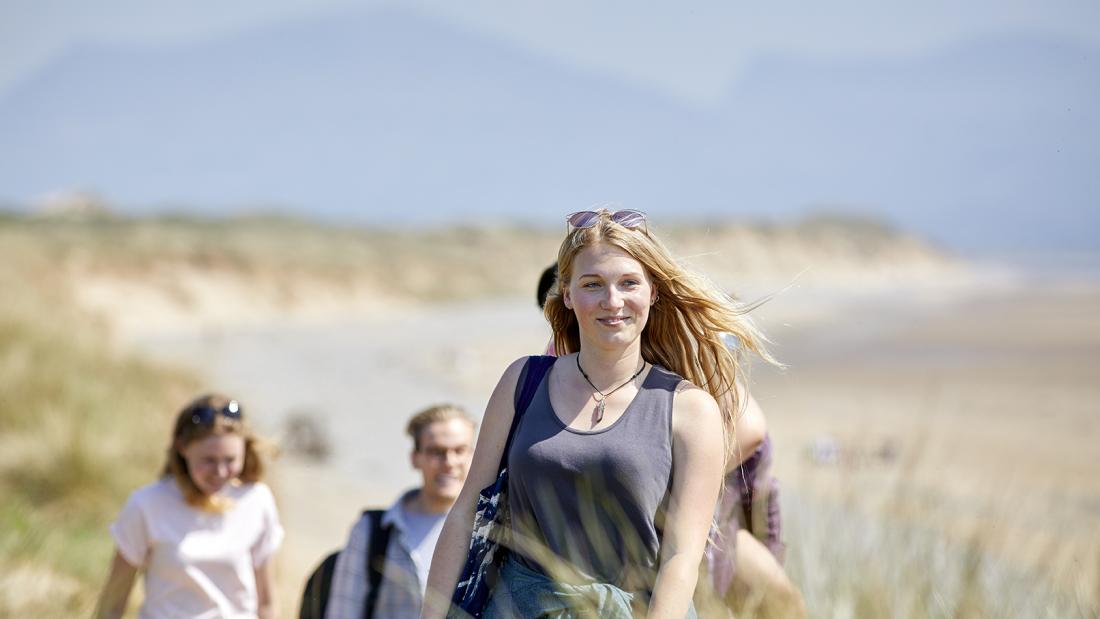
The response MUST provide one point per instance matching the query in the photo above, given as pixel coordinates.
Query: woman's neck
(605, 367)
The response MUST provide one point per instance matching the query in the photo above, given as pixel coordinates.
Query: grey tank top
(594, 500)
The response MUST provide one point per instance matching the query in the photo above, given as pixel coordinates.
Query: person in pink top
(204, 535)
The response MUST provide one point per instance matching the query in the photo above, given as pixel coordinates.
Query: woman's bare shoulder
(501, 406)
(693, 404)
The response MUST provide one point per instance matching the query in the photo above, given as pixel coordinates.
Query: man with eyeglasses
(443, 440)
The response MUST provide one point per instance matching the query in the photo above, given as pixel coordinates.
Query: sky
(701, 59)
(691, 52)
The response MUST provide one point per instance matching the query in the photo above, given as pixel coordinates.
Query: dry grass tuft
(80, 427)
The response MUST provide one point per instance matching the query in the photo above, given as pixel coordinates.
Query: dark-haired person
(546, 282)
(204, 535)
(443, 442)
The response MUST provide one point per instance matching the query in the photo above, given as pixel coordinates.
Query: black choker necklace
(600, 401)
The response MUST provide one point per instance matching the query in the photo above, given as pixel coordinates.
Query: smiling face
(443, 459)
(610, 293)
(214, 461)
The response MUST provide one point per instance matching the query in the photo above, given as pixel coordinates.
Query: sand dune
(151, 278)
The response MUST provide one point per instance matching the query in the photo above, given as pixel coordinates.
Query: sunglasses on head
(627, 218)
(204, 415)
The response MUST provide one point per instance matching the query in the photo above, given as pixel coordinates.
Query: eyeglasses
(441, 453)
(627, 218)
(204, 415)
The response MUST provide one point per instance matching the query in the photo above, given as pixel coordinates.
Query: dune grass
(449, 263)
(963, 481)
(854, 563)
(81, 425)
(427, 265)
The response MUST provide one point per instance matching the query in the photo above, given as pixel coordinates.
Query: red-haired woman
(205, 533)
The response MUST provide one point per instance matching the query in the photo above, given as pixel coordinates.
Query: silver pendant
(599, 411)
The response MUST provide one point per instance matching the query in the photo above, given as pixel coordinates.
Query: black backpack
(315, 596)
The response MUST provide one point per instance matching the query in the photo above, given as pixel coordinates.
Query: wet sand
(962, 413)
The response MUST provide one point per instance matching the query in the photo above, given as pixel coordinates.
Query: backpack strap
(376, 558)
(315, 596)
(530, 378)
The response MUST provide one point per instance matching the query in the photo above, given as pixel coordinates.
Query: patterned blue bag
(486, 553)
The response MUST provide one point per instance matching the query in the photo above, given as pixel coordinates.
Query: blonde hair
(187, 431)
(686, 322)
(433, 414)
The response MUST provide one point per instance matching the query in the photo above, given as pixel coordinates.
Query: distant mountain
(387, 116)
(991, 144)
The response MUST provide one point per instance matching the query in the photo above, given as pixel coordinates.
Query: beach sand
(971, 416)
(975, 422)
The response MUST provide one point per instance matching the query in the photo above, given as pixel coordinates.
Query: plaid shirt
(750, 500)
(401, 594)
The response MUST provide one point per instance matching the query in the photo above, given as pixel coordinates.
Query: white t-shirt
(198, 564)
(422, 533)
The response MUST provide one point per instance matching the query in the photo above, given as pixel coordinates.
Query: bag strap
(376, 558)
(533, 372)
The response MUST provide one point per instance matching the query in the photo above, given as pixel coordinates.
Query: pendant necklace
(600, 401)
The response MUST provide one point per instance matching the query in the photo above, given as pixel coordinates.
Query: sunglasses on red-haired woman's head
(204, 415)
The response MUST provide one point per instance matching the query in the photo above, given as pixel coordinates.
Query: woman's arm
(112, 600)
(267, 605)
(760, 585)
(696, 479)
(454, 539)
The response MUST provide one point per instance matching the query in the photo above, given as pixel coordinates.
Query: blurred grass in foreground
(81, 426)
(853, 562)
(944, 464)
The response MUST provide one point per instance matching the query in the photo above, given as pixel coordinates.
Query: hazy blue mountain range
(387, 116)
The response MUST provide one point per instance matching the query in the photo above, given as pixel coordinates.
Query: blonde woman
(204, 535)
(745, 552)
(617, 463)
